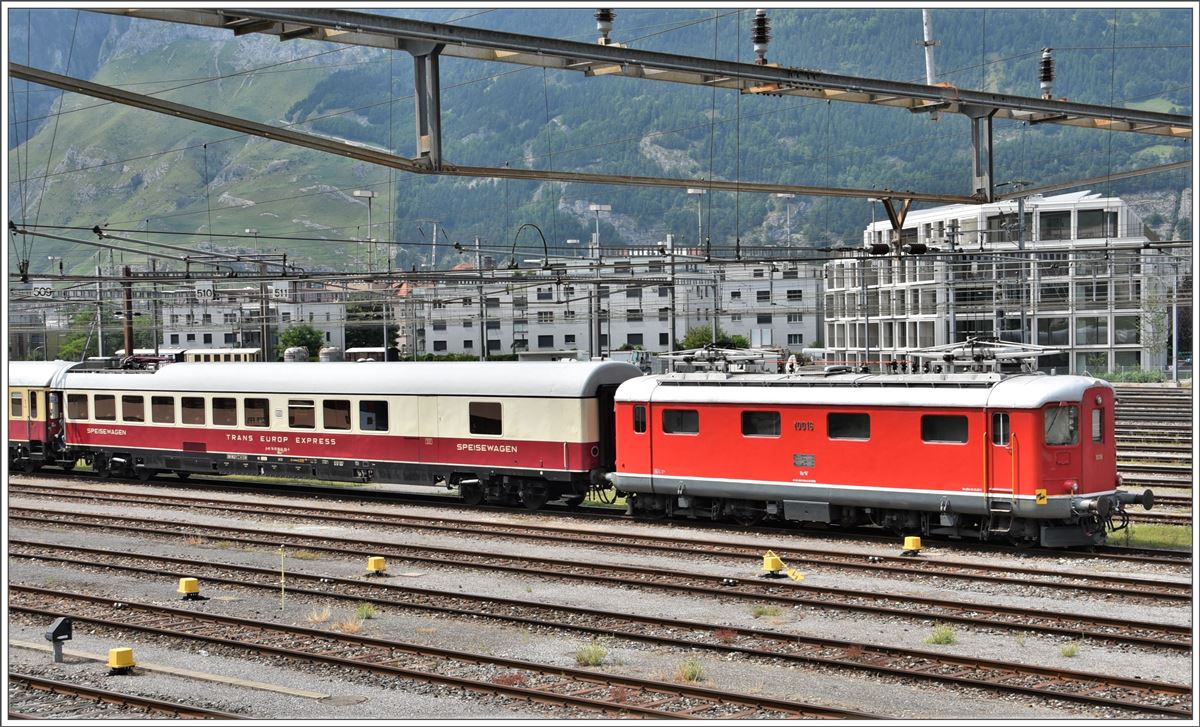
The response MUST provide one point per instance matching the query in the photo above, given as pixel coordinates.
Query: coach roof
(35, 373)
(506, 378)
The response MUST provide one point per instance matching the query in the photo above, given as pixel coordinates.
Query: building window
(174, 338)
(467, 324)
(758, 272)
(848, 426)
(485, 418)
(1127, 329)
(569, 339)
(633, 316)
(944, 428)
(208, 338)
(1096, 223)
(760, 424)
(664, 314)
(1062, 425)
(764, 319)
(467, 343)
(545, 294)
(191, 337)
(795, 318)
(1054, 225)
(224, 411)
(795, 295)
(257, 412)
(633, 339)
(373, 416)
(545, 316)
(735, 295)
(633, 293)
(681, 421)
(1091, 331)
(493, 325)
(1053, 331)
(664, 339)
(569, 315)
(439, 325)
(439, 345)
(795, 339)
(231, 338)
(763, 296)
(545, 341)
(663, 291)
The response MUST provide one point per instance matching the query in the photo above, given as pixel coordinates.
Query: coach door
(1002, 458)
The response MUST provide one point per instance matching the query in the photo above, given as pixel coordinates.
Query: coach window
(302, 414)
(162, 409)
(106, 407)
(485, 418)
(335, 413)
(1097, 425)
(639, 419)
(681, 421)
(1001, 429)
(193, 409)
(15, 409)
(77, 407)
(1062, 425)
(950, 429)
(373, 416)
(848, 426)
(33, 400)
(133, 408)
(257, 412)
(760, 424)
(224, 411)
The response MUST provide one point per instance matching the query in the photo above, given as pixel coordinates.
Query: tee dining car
(502, 432)
(1027, 458)
(34, 416)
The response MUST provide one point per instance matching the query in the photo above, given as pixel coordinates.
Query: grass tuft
(759, 610)
(689, 671)
(590, 655)
(1069, 649)
(365, 611)
(942, 634)
(1153, 535)
(319, 616)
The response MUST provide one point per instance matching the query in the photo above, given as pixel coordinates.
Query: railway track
(574, 689)
(882, 566)
(33, 697)
(722, 640)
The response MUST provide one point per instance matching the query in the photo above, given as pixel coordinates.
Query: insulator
(878, 248)
(915, 248)
(1046, 74)
(761, 34)
(604, 20)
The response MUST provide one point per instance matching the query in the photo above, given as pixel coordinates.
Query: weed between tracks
(592, 654)
(942, 634)
(1153, 535)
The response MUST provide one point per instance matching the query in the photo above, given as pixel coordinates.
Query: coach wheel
(68, 465)
(29, 466)
(471, 494)
(533, 497)
(182, 475)
(102, 468)
(145, 474)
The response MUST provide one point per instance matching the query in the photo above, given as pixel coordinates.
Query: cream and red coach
(35, 416)
(1029, 458)
(502, 431)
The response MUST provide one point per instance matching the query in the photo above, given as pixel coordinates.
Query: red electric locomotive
(1026, 458)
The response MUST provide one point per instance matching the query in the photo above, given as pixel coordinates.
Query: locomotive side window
(485, 417)
(77, 406)
(1001, 429)
(1062, 425)
(373, 416)
(193, 409)
(257, 412)
(639, 419)
(15, 407)
(1097, 425)
(133, 408)
(162, 409)
(335, 413)
(302, 414)
(224, 411)
(944, 428)
(848, 426)
(760, 423)
(106, 407)
(681, 421)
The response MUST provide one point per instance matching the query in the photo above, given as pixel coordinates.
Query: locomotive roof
(35, 373)
(456, 378)
(935, 390)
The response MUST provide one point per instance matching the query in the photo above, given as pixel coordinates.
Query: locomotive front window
(485, 417)
(848, 426)
(302, 414)
(224, 411)
(373, 416)
(257, 412)
(133, 408)
(193, 409)
(681, 421)
(106, 407)
(1001, 430)
(162, 409)
(760, 423)
(77, 406)
(15, 407)
(335, 413)
(1097, 425)
(639, 419)
(1062, 425)
(942, 428)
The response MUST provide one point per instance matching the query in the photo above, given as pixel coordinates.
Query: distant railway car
(501, 432)
(227, 355)
(35, 416)
(1026, 458)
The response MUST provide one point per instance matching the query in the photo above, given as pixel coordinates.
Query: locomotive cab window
(15, 407)
(224, 411)
(193, 410)
(257, 412)
(162, 409)
(373, 416)
(302, 414)
(949, 429)
(77, 406)
(1001, 429)
(760, 423)
(1062, 425)
(639, 419)
(681, 421)
(848, 426)
(1097, 425)
(486, 417)
(106, 407)
(133, 408)
(335, 413)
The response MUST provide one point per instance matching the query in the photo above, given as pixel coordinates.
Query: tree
(301, 334)
(701, 336)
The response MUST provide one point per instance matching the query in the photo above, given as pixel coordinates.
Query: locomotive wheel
(183, 475)
(747, 513)
(471, 494)
(573, 500)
